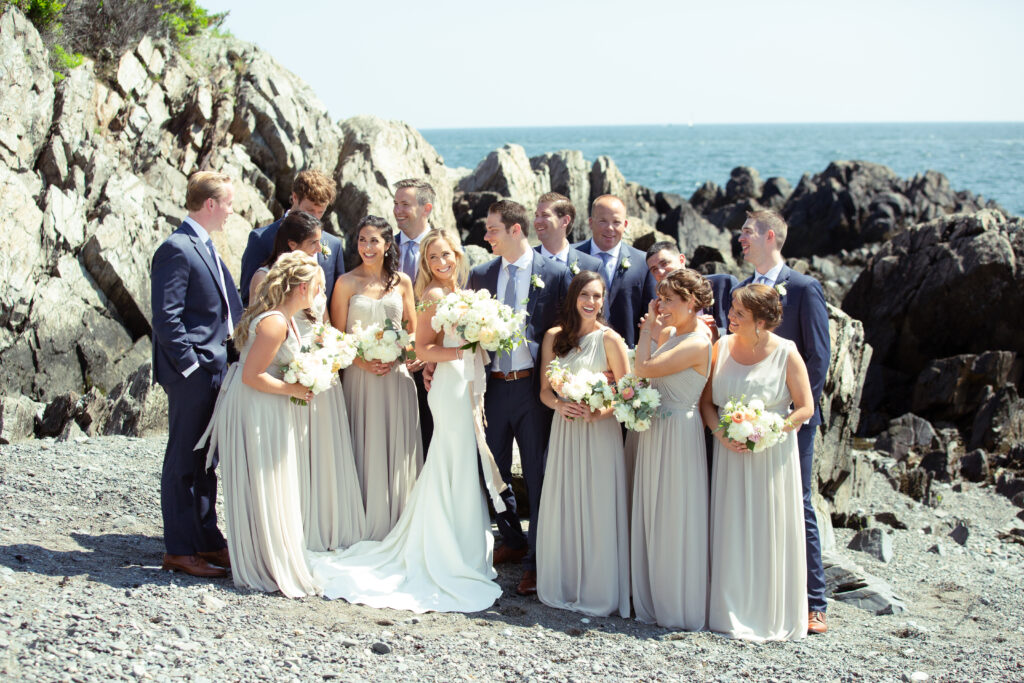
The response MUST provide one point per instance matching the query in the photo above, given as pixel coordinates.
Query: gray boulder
(17, 418)
(26, 82)
(874, 541)
(848, 582)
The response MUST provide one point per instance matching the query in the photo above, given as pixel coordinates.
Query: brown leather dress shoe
(816, 623)
(193, 565)
(503, 554)
(217, 557)
(528, 586)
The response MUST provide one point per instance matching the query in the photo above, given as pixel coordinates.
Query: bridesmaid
(582, 529)
(381, 397)
(758, 572)
(253, 430)
(332, 505)
(669, 542)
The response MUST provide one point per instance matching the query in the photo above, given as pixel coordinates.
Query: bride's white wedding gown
(438, 555)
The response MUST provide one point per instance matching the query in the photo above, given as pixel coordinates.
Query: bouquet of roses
(311, 369)
(749, 423)
(636, 403)
(338, 348)
(385, 343)
(480, 319)
(586, 387)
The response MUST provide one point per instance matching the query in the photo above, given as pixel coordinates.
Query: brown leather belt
(511, 376)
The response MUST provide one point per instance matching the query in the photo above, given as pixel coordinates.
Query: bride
(438, 555)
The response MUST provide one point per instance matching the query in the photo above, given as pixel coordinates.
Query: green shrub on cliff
(102, 29)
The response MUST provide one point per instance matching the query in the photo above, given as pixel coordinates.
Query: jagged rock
(376, 154)
(847, 582)
(965, 262)
(23, 255)
(744, 183)
(138, 407)
(690, 230)
(873, 541)
(64, 217)
(606, 178)
(568, 174)
(938, 550)
(974, 466)
(907, 435)
(960, 533)
(839, 472)
(707, 198)
(774, 193)
(955, 387)
(733, 216)
(17, 418)
(26, 82)
(471, 214)
(999, 422)
(916, 483)
(1009, 485)
(509, 173)
(57, 414)
(890, 519)
(131, 79)
(71, 432)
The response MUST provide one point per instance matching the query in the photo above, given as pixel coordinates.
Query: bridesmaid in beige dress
(582, 529)
(332, 504)
(669, 541)
(758, 570)
(254, 432)
(381, 397)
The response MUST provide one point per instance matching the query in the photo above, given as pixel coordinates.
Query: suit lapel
(532, 295)
(207, 258)
(491, 278)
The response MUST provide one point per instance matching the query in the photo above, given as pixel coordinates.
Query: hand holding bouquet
(637, 403)
(385, 343)
(748, 423)
(584, 387)
(479, 319)
(311, 369)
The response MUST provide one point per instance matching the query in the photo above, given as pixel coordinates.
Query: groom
(525, 280)
(195, 308)
(805, 322)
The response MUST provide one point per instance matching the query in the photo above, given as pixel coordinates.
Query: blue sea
(985, 158)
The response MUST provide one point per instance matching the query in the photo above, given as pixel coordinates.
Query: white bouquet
(336, 346)
(636, 403)
(480, 319)
(584, 386)
(385, 343)
(749, 423)
(311, 369)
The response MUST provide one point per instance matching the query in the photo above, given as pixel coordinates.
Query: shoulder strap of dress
(261, 316)
(711, 348)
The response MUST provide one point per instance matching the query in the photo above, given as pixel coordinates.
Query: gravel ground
(82, 598)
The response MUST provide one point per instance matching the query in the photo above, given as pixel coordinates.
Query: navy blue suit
(513, 409)
(190, 325)
(261, 245)
(579, 259)
(630, 292)
(805, 322)
(722, 285)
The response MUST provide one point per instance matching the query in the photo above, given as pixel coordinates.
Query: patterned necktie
(607, 267)
(505, 359)
(223, 287)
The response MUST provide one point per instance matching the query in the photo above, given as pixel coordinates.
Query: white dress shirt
(562, 256)
(772, 276)
(521, 357)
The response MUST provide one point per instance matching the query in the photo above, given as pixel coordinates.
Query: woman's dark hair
(568, 338)
(297, 226)
(688, 285)
(387, 233)
(763, 302)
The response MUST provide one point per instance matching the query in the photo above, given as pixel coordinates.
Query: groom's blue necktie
(505, 359)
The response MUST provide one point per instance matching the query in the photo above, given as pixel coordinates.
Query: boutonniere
(324, 249)
(574, 268)
(624, 264)
(536, 282)
(780, 287)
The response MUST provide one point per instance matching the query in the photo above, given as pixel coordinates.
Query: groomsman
(195, 308)
(523, 279)
(664, 257)
(554, 216)
(624, 269)
(414, 199)
(805, 322)
(312, 192)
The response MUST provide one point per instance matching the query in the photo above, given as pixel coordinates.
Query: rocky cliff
(94, 172)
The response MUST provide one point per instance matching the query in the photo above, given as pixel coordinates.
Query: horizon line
(694, 124)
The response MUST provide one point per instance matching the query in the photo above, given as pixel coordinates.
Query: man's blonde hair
(203, 185)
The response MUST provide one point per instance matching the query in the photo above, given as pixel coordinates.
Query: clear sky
(462, 63)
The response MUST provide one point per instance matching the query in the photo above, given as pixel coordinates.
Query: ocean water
(985, 158)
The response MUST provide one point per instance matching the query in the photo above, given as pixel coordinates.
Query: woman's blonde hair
(423, 274)
(288, 272)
